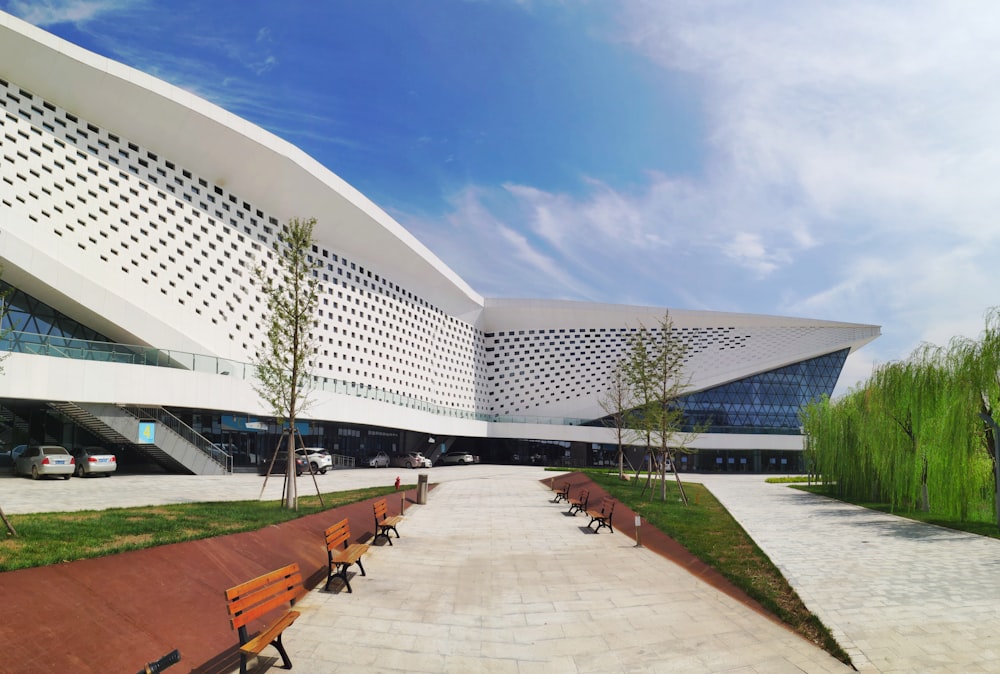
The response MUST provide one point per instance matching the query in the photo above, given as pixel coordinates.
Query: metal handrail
(190, 435)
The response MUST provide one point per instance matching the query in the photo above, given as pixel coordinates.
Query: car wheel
(409, 465)
(34, 472)
(323, 472)
(66, 477)
(79, 470)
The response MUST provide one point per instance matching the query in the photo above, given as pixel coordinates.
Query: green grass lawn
(710, 533)
(51, 538)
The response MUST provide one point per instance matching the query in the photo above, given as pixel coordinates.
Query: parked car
(319, 459)
(41, 460)
(456, 458)
(280, 462)
(7, 457)
(380, 460)
(94, 461)
(410, 460)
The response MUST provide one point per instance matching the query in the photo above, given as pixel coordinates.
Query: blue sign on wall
(147, 432)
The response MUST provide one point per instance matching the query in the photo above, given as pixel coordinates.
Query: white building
(131, 217)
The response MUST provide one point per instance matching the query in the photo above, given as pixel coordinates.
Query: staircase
(174, 445)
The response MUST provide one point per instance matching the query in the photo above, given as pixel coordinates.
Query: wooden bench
(264, 595)
(603, 516)
(562, 494)
(341, 558)
(383, 523)
(579, 504)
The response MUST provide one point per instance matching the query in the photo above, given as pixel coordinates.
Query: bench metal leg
(281, 649)
(342, 574)
(601, 523)
(286, 662)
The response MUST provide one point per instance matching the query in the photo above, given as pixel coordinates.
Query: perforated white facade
(141, 211)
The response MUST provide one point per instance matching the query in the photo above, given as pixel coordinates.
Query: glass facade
(25, 314)
(768, 402)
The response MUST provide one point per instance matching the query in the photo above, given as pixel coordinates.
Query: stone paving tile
(490, 576)
(899, 596)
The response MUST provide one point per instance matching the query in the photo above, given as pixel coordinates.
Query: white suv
(319, 459)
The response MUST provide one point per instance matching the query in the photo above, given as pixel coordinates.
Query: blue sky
(792, 157)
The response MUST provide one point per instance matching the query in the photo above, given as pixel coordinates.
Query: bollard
(422, 488)
(638, 538)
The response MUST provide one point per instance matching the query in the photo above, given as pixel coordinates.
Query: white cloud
(52, 12)
(851, 171)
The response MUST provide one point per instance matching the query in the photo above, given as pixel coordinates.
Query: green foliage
(917, 435)
(653, 372)
(617, 401)
(51, 538)
(291, 288)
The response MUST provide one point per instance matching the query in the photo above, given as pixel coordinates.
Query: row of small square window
(134, 148)
(456, 324)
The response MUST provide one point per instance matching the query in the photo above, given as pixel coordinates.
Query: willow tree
(920, 433)
(969, 426)
(840, 456)
(291, 288)
(617, 401)
(903, 399)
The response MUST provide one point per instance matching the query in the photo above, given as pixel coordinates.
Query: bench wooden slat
(259, 642)
(340, 559)
(260, 596)
(266, 579)
(603, 516)
(251, 608)
(579, 504)
(383, 523)
(562, 493)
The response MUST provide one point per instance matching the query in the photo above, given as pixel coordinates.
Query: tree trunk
(291, 493)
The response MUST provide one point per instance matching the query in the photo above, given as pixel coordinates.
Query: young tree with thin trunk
(655, 369)
(617, 402)
(640, 375)
(284, 374)
(671, 382)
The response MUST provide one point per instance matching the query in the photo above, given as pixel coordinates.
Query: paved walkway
(899, 596)
(491, 576)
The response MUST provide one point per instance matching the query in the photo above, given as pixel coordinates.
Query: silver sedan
(41, 460)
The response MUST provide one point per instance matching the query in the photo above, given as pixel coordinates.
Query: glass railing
(82, 349)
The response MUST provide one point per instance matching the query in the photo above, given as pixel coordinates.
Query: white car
(319, 459)
(380, 460)
(456, 458)
(41, 460)
(410, 460)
